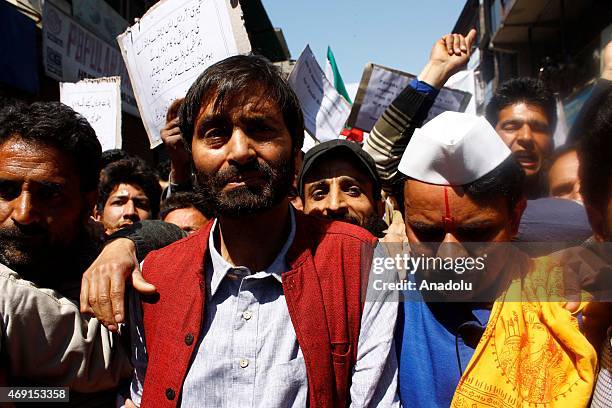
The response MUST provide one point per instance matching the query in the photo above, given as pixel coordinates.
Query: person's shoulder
(195, 240)
(21, 293)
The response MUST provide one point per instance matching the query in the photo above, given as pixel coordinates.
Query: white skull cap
(453, 149)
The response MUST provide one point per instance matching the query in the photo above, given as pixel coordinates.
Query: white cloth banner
(99, 101)
(325, 111)
(380, 85)
(170, 46)
(72, 53)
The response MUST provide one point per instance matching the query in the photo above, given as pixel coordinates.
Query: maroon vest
(324, 294)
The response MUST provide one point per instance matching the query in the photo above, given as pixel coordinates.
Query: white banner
(99, 101)
(72, 53)
(380, 85)
(325, 111)
(169, 48)
(465, 81)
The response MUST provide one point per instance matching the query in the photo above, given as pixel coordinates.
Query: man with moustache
(49, 163)
(49, 166)
(128, 192)
(524, 114)
(444, 61)
(338, 180)
(263, 306)
(504, 340)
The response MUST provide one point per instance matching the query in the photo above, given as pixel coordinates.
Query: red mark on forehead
(447, 220)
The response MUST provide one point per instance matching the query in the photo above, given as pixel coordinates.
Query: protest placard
(72, 53)
(99, 101)
(170, 46)
(325, 111)
(380, 85)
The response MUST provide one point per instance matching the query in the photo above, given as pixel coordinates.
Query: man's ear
(298, 203)
(596, 219)
(91, 208)
(516, 215)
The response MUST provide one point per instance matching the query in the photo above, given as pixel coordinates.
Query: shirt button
(170, 394)
(247, 314)
(244, 363)
(189, 339)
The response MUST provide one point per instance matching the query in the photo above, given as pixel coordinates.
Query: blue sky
(395, 33)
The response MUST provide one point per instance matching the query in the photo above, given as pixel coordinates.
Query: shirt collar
(220, 267)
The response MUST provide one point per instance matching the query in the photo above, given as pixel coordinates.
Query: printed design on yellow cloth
(532, 353)
(531, 358)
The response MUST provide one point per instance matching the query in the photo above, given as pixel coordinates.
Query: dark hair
(594, 153)
(174, 109)
(505, 180)
(56, 125)
(184, 199)
(113, 155)
(527, 90)
(163, 169)
(132, 171)
(237, 75)
(9, 101)
(561, 151)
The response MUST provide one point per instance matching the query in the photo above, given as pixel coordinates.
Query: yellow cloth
(532, 353)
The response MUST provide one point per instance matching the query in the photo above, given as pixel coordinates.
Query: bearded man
(49, 165)
(339, 181)
(263, 306)
(508, 330)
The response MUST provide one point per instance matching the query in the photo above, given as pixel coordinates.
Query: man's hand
(103, 283)
(606, 72)
(179, 156)
(448, 56)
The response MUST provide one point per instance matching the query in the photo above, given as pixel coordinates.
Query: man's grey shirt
(248, 354)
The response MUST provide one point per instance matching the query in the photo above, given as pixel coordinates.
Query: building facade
(557, 41)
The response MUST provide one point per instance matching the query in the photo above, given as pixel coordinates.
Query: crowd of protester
(246, 279)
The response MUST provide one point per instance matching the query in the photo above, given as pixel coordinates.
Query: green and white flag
(333, 74)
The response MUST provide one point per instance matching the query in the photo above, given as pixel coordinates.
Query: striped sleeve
(391, 133)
